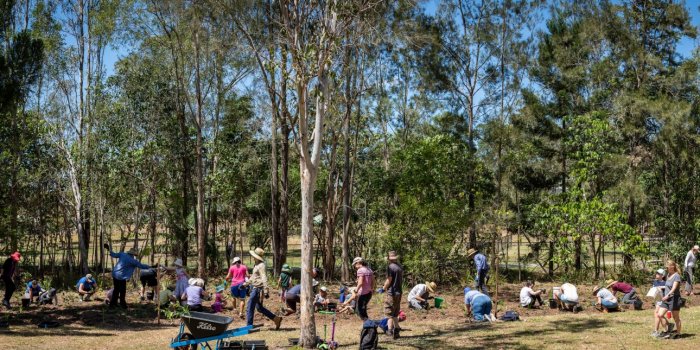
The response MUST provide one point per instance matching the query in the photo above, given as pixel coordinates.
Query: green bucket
(438, 302)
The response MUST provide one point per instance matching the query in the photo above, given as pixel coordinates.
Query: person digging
(420, 294)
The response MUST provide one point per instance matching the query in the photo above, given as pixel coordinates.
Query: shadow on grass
(59, 331)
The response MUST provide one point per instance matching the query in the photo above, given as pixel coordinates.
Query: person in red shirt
(629, 293)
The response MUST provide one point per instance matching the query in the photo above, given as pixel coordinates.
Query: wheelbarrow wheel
(187, 336)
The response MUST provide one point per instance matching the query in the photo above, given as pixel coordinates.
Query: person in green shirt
(284, 282)
(166, 297)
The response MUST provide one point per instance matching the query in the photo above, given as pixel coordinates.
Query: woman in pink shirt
(237, 274)
(365, 285)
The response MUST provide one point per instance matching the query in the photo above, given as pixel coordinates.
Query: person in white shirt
(567, 296)
(321, 300)
(606, 300)
(690, 260)
(528, 296)
(418, 297)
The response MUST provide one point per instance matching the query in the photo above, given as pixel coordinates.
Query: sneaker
(278, 322)
(655, 334)
(659, 335)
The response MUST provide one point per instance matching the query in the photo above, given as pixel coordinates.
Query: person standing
(9, 272)
(122, 272)
(236, 277)
(482, 269)
(258, 281)
(690, 260)
(365, 284)
(670, 302)
(392, 288)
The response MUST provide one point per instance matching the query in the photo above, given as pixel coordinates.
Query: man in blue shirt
(122, 272)
(482, 269)
(33, 290)
(87, 286)
(478, 305)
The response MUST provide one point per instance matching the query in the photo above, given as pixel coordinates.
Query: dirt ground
(88, 325)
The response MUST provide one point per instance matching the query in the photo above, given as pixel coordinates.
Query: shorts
(674, 304)
(150, 281)
(238, 293)
(392, 305)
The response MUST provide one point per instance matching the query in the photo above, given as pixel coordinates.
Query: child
(194, 294)
(529, 298)
(284, 281)
(384, 323)
(219, 303)
(348, 303)
(321, 301)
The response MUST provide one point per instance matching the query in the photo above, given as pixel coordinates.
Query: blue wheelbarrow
(204, 328)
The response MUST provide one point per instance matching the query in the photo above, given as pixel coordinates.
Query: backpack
(368, 336)
(510, 316)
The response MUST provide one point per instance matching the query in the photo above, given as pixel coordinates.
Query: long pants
(292, 301)
(481, 306)
(610, 305)
(10, 288)
(361, 306)
(118, 293)
(688, 279)
(535, 299)
(481, 279)
(630, 297)
(418, 305)
(255, 302)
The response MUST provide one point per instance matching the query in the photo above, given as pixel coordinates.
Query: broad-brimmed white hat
(257, 254)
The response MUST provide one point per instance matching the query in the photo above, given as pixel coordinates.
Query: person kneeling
(606, 300)
(419, 295)
(194, 294)
(529, 297)
(478, 305)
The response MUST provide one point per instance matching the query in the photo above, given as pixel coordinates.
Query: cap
(661, 272)
(357, 260)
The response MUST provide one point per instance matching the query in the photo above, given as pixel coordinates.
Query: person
(218, 305)
(419, 295)
(482, 269)
(606, 300)
(86, 286)
(122, 272)
(629, 294)
(321, 299)
(383, 324)
(181, 277)
(148, 277)
(260, 290)
(365, 285)
(9, 273)
(348, 304)
(166, 297)
(393, 289)
(689, 265)
(670, 302)
(530, 297)
(194, 294)
(657, 287)
(284, 281)
(236, 277)
(478, 305)
(33, 290)
(567, 297)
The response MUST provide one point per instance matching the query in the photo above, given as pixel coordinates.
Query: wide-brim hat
(471, 252)
(357, 260)
(431, 286)
(596, 289)
(286, 268)
(257, 254)
(236, 260)
(609, 283)
(178, 262)
(220, 288)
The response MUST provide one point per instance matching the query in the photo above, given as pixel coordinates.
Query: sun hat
(16, 256)
(190, 282)
(609, 282)
(286, 268)
(178, 262)
(471, 252)
(431, 286)
(133, 252)
(596, 289)
(696, 247)
(402, 316)
(324, 289)
(257, 254)
(220, 288)
(198, 282)
(236, 260)
(357, 260)
(393, 256)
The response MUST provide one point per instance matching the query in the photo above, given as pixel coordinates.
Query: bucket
(553, 303)
(438, 302)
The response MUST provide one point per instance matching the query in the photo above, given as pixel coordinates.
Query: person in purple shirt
(629, 293)
(482, 269)
(121, 273)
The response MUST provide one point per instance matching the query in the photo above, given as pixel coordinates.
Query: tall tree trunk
(200, 219)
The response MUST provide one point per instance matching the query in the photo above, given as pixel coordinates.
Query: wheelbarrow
(204, 328)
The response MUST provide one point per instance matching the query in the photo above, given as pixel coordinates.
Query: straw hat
(133, 252)
(596, 289)
(357, 260)
(236, 260)
(257, 254)
(88, 276)
(471, 252)
(431, 286)
(178, 262)
(393, 256)
(609, 283)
